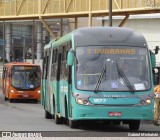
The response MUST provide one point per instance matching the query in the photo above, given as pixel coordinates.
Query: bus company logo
(6, 134)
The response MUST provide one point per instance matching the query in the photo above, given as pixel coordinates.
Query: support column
(8, 32)
(24, 48)
(39, 41)
(76, 23)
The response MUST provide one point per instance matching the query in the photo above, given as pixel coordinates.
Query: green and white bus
(98, 73)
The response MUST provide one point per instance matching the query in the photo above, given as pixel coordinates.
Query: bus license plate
(26, 96)
(115, 114)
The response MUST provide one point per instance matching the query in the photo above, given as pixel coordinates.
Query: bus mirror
(70, 57)
(153, 59)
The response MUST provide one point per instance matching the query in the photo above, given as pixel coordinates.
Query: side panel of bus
(55, 86)
(6, 82)
(44, 98)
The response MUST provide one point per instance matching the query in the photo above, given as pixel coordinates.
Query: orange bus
(21, 80)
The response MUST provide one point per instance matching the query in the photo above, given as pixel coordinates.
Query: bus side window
(63, 63)
(52, 65)
(8, 74)
(59, 66)
(55, 64)
(68, 69)
(44, 65)
(48, 63)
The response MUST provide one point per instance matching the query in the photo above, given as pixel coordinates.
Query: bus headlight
(148, 101)
(82, 101)
(39, 91)
(12, 91)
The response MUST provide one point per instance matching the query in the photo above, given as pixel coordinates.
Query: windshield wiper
(99, 79)
(121, 74)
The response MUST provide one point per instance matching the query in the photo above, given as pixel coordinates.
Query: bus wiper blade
(127, 82)
(99, 79)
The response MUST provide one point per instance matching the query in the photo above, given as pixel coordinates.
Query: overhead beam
(82, 14)
(20, 7)
(47, 27)
(64, 8)
(124, 21)
(76, 22)
(90, 14)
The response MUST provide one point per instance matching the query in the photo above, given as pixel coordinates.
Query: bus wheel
(58, 120)
(11, 100)
(73, 124)
(134, 125)
(5, 98)
(48, 115)
(35, 101)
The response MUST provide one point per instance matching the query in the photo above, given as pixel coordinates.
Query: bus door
(47, 80)
(63, 79)
(48, 83)
(45, 76)
(58, 85)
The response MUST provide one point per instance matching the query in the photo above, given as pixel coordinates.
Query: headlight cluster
(147, 101)
(39, 91)
(82, 101)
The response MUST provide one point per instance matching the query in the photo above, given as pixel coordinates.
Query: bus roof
(108, 36)
(102, 36)
(19, 64)
(57, 41)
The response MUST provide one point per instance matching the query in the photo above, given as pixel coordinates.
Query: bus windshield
(112, 68)
(25, 77)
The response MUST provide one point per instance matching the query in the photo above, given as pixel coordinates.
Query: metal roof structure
(45, 9)
(34, 9)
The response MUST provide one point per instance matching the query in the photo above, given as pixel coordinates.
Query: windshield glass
(25, 77)
(116, 68)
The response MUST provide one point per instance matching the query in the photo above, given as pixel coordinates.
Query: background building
(19, 36)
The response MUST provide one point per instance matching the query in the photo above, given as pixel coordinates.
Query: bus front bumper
(25, 95)
(80, 112)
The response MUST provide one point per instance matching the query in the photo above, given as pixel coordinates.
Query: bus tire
(58, 120)
(48, 115)
(11, 100)
(134, 125)
(35, 101)
(5, 98)
(73, 124)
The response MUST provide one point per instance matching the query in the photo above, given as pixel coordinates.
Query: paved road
(30, 117)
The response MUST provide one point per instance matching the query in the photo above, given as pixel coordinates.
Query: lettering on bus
(111, 51)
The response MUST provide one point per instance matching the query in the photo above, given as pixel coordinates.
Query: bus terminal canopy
(34, 9)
